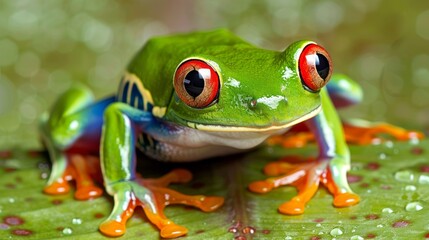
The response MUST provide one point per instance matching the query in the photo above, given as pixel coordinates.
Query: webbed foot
(356, 131)
(78, 169)
(306, 177)
(153, 196)
(363, 133)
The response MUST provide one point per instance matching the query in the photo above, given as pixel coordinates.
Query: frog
(192, 96)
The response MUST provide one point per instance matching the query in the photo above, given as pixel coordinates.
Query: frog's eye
(315, 67)
(196, 83)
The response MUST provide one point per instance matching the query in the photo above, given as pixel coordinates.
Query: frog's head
(242, 88)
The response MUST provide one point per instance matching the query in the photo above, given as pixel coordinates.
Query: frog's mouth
(271, 128)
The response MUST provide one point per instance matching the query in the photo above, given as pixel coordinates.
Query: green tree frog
(192, 96)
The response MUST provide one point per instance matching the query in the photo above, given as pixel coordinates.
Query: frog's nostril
(253, 103)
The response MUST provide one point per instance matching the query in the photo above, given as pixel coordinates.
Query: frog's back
(155, 63)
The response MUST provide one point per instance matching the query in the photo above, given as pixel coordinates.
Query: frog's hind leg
(344, 92)
(61, 130)
(361, 132)
(83, 176)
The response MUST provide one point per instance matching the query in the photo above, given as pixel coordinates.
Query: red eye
(196, 83)
(315, 67)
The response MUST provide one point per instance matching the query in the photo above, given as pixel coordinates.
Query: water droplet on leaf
(404, 176)
(413, 207)
(67, 231)
(424, 179)
(77, 221)
(336, 232)
(387, 210)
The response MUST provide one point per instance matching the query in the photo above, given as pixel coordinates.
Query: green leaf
(392, 179)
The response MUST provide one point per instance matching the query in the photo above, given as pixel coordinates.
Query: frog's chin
(271, 128)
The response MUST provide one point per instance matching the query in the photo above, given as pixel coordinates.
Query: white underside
(190, 144)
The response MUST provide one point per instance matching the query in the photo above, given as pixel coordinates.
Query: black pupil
(322, 66)
(194, 83)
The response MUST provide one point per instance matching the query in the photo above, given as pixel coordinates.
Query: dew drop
(404, 176)
(387, 210)
(380, 225)
(424, 179)
(414, 140)
(77, 221)
(248, 230)
(288, 238)
(336, 232)
(389, 144)
(44, 175)
(318, 225)
(11, 200)
(413, 207)
(67, 231)
(356, 237)
(382, 156)
(410, 188)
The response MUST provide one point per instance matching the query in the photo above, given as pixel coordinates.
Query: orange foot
(78, 169)
(153, 196)
(356, 132)
(369, 133)
(306, 177)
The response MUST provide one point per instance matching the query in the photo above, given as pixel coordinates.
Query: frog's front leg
(329, 168)
(122, 125)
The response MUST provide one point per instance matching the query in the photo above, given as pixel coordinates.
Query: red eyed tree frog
(193, 96)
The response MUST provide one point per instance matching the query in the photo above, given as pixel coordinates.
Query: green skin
(244, 71)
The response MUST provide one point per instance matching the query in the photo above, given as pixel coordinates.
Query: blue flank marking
(143, 141)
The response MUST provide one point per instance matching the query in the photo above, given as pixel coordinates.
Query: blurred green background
(47, 45)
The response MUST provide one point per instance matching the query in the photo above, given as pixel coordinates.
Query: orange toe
(272, 169)
(211, 203)
(173, 231)
(346, 200)
(183, 175)
(261, 186)
(292, 208)
(88, 192)
(112, 228)
(411, 135)
(58, 187)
